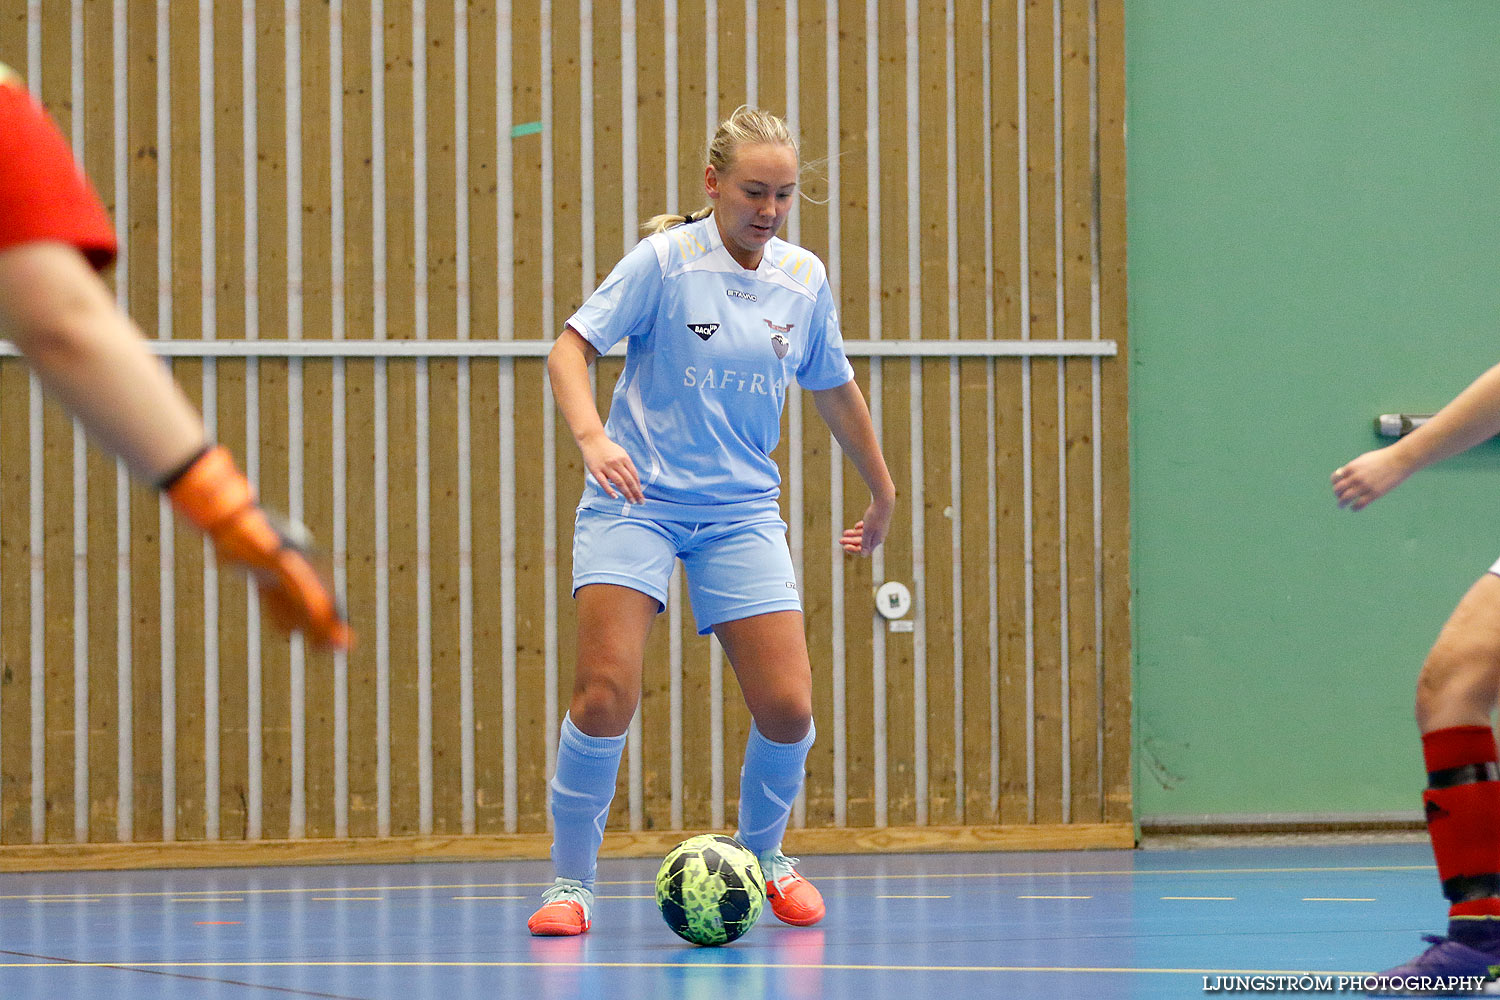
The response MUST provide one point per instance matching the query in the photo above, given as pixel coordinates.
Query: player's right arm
(1473, 416)
(91, 356)
(568, 368)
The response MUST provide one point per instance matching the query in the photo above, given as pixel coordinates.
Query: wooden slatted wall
(454, 171)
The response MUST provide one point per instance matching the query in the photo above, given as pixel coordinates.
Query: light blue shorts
(735, 569)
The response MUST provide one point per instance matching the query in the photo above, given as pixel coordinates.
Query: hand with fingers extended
(611, 467)
(1369, 477)
(213, 494)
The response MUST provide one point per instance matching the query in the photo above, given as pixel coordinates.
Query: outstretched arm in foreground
(1473, 416)
(91, 357)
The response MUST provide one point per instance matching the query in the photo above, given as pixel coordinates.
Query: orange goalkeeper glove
(214, 494)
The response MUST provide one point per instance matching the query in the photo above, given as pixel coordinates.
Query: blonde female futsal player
(722, 317)
(54, 234)
(1457, 692)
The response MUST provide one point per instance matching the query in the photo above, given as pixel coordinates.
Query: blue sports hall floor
(1148, 923)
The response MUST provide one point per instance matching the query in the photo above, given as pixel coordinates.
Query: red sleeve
(44, 196)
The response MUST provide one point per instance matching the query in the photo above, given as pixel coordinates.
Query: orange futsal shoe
(213, 494)
(793, 899)
(565, 911)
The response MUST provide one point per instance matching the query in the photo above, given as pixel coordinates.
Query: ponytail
(661, 223)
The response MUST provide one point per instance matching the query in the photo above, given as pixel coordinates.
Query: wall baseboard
(1338, 822)
(535, 846)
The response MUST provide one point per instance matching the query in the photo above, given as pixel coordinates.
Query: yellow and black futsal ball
(710, 889)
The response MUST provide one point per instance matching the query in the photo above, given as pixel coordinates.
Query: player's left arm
(843, 409)
(1473, 416)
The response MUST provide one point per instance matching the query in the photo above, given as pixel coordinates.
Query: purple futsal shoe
(1449, 968)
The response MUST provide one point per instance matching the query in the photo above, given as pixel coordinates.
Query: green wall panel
(1314, 225)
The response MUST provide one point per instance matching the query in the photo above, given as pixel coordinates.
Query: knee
(603, 705)
(786, 717)
(1457, 683)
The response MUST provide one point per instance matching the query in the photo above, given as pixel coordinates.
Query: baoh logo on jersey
(703, 330)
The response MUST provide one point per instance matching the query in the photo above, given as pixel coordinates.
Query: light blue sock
(769, 782)
(581, 790)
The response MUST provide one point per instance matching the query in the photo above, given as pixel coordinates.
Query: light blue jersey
(712, 350)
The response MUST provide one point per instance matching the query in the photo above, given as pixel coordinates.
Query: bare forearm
(843, 409)
(1473, 416)
(568, 368)
(127, 399)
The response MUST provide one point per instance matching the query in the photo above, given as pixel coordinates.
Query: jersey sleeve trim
(833, 382)
(583, 330)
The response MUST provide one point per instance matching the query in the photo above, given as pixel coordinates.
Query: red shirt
(44, 195)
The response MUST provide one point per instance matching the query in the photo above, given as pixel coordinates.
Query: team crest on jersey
(735, 293)
(780, 329)
(780, 344)
(703, 330)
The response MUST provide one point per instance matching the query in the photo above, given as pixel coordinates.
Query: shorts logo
(703, 330)
(735, 293)
(780, 329)
(780, 345)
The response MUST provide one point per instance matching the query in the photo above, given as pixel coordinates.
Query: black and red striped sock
(1463, 819)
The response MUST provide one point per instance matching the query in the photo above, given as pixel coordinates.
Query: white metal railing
(539, 348)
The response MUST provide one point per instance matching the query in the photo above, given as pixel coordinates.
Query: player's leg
(1460, 681)
(1457, 691)
(620, 572)
(739, 580)
(613, 623)
(1456, 696)
(769, 656)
